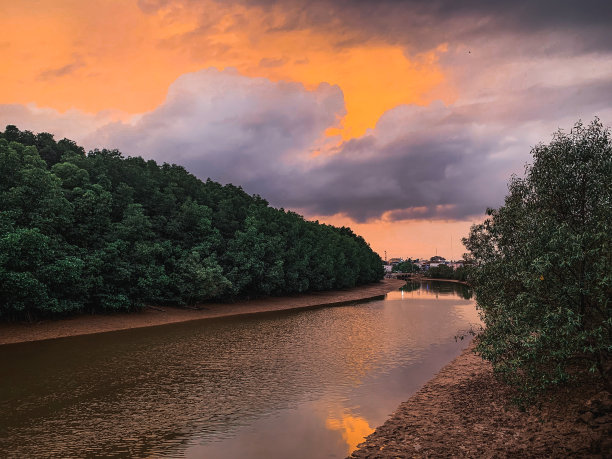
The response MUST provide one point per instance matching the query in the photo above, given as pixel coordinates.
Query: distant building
(423, 265)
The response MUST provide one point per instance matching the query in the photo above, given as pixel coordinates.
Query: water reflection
(228, 387)
(353, 429)
(410, 286)
(435, 289)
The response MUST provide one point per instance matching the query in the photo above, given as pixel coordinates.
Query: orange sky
(410, 239)
(110, 55)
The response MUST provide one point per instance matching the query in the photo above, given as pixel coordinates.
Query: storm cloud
(420, 162)
(231, 128)
(560, 25)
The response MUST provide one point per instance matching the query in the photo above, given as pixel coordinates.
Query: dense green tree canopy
(406, 267)
(99, 232)
(440, 272)
(544, 264)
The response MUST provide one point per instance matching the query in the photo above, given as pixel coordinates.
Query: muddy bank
(86, 324)
(464, 412)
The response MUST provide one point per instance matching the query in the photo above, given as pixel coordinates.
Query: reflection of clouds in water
(170, 387)
(354, 429)
(431, 290)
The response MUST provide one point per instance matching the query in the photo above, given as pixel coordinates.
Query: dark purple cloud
(560, 26)
(422, 24)
(231, 128)
(432, 162)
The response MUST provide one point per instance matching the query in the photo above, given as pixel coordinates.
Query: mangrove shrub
(543, 276)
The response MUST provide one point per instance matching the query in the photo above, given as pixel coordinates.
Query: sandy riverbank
(464, 412)
(88, 324)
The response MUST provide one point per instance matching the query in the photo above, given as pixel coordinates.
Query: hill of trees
(94, 232)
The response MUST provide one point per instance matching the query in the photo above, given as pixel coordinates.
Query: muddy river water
(308, 383)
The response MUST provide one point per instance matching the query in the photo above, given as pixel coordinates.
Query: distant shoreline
(455, 281)
(419, 279)
(11, 333)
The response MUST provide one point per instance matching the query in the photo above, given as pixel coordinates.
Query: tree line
(97, 231)
(446, 272)
(441, 271)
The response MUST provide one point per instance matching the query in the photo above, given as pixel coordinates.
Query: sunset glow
(129, 58)
(354, 429)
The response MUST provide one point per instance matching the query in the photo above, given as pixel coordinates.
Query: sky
(401, 119)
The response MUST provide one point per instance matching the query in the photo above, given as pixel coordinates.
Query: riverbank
(89, 324)
(465, 412)
(455, 281)
(427, 279)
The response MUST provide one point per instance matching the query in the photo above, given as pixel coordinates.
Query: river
(308, 383)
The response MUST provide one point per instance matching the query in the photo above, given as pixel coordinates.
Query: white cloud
(72, 124)
(230, 127)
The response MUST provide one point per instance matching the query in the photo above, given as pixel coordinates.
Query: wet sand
(88, 324)
(465, 412)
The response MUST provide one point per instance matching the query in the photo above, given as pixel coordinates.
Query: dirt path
(464, 412)
(83, 325)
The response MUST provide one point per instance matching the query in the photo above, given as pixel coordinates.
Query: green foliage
(100, 232)
(446, 272)
(543, 276)
(462, 273)
(406, 267)
(441, 272)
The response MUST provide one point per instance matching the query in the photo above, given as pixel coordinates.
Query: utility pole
(385, 256)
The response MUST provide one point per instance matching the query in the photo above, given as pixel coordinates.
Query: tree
(543, 265)
(100, 232)
(406, 267)
(441, 272)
